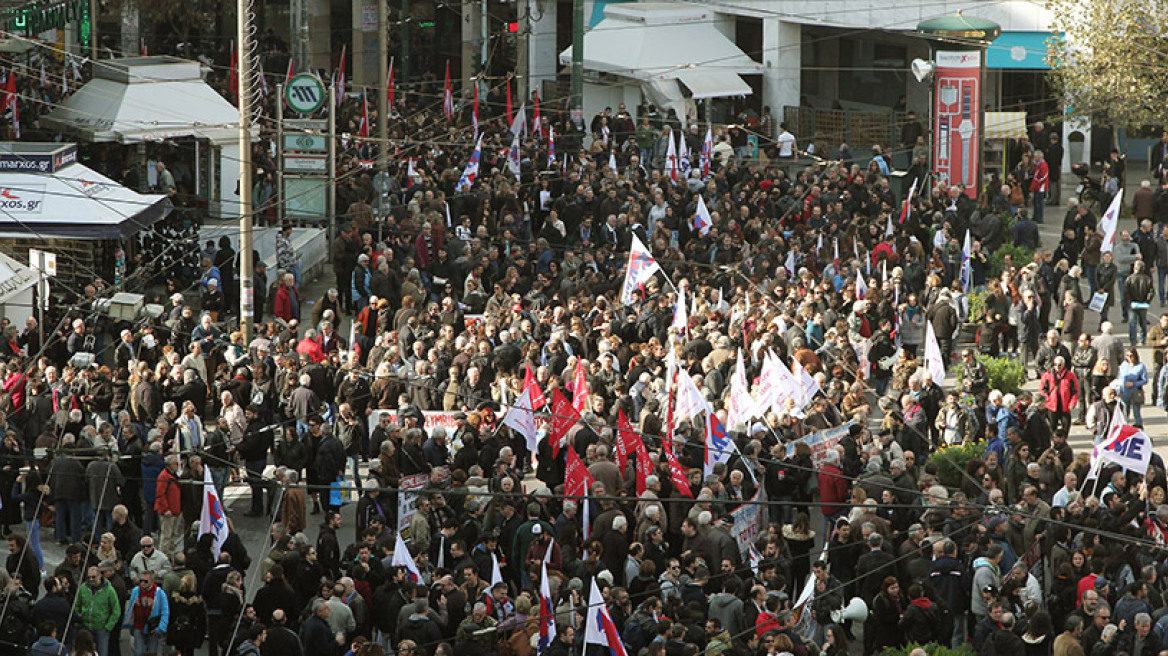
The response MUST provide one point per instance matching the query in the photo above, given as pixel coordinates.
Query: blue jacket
(161, 609)
(46, 646)
(152, 465)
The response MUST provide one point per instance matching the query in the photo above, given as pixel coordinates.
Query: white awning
(74, 202)
(664, 40)
(146, 99)
(713, 84)
(1005, 125)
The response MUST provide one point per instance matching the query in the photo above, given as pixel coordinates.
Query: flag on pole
(807, 384)
(536, 122)
(861, 287)
(690, 401)
(547, 611)
(213, 520)
(514, 163)
(77, 68)
(626, 441)
(448, 95)
(612, 162)
(532, 385)
(719, 446)
(341, 75)
(702, 219)
(644, 466)
(496, 571)
(599, 628)
(472, 166)
(519, 123)
(288, 75)
(683, 163)
(835, 258)
(402, 558)
(966, 264)
(551, 146)
(677, 475)
(639, 271)
(508, 95)
(789, 264)
(64, 82)
(1124, 445)
(888, 232)
(577, 479)
(363, 126)
(564, 417)
(707, 153)
(521, 419)
(680, 318)
(934, 358)
(755, 558)
(671, 161)
(263, 78)
(906, 211)
(474, 112)
(44, 76)
(390, 87)
(580, 387)
(739, 405)
(1110, 222)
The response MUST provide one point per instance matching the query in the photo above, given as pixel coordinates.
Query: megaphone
(855, 611)
(922, 69)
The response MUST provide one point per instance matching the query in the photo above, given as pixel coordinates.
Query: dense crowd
(462, 294)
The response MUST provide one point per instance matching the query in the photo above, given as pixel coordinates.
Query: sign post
(45, 264)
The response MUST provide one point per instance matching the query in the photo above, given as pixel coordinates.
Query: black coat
(329, 461)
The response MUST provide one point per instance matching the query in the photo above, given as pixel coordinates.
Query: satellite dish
(922, 70)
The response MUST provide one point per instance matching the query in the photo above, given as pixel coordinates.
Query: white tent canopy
(146, 99)
(68, 199)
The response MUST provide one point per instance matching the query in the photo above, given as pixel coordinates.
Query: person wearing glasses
(148, 559)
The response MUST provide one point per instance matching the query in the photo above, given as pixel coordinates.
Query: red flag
(390, 92)
(448, 96)
(577, 480)
(9, 93)
(667, 441)
(536, 123)
(626, 441)
(474, 116)
(644, 466)
(509, 119)
(579, 387)
(288, 75)
(564, 417)
(363, 128)
(233, 75)
(677, 475)
(532, 385)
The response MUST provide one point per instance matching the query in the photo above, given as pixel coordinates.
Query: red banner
(564, 416)
(576, 477)
(626, 441)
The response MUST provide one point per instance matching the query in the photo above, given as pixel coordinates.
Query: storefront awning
(72, 201)
(665, 40)
(1005, 125)
(713, 84)
(145, 99)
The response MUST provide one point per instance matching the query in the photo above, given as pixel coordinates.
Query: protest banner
(749, 521)
(821, 442)
(409, 491)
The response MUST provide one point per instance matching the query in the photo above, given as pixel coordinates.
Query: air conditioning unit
(126, 306)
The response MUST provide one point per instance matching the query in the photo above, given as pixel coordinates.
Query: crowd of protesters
(460, 291)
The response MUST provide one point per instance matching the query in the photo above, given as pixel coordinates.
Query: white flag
(807, 383)
(519, 123)
(966, 264)
(671, 161)
(521, 419)
(934, 359)
(496, 573)
(402, 558)
(599, 628)
(640, 270)
(1110, 222)
(612, 161)
(212, 520)
(690, 401)
(740, 404)
(680, 318)
(702, 219)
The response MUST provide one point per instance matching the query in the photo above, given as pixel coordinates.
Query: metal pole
(483, 36)
(331, 196)
(243, 56)
(405, 40)
(280, 150)
(40, 302)
(92, 34)
(522, 53)
(383, 108)
(578, 63)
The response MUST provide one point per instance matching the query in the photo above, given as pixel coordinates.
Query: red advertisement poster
(957, 118)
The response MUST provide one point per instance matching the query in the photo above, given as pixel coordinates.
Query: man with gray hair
(1140, 641)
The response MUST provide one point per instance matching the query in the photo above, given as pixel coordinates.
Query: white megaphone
(855, 611)
(922, 69)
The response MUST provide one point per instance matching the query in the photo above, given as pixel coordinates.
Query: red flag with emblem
(677, 475)
(579, 387)
(532, 385)
(564, 417)
(577, 480)
(644, 466)
(626, 441)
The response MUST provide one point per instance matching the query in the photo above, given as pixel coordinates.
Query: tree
(1109, 63)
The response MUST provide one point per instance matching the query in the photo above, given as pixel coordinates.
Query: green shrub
(932, 649)
(952, 460)
(1022, 256)
(1008, 221)
(1005, 374)
(977, 304)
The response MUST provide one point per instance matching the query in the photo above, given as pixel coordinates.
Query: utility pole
(405, 40)
(383, 107)
(578, 63)
(522, 54)
(243, 56)
(93, 8)
(484, 42)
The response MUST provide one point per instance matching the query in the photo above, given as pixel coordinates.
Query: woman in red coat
(1062, 393)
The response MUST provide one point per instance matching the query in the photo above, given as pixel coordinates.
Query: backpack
(182, 629)
(634, 636)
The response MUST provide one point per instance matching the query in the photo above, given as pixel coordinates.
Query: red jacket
(283, 304)
(1061, 390)
(167, 496)
(422, 255)
(312, 348)
(833, 490)
(1041, 179)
